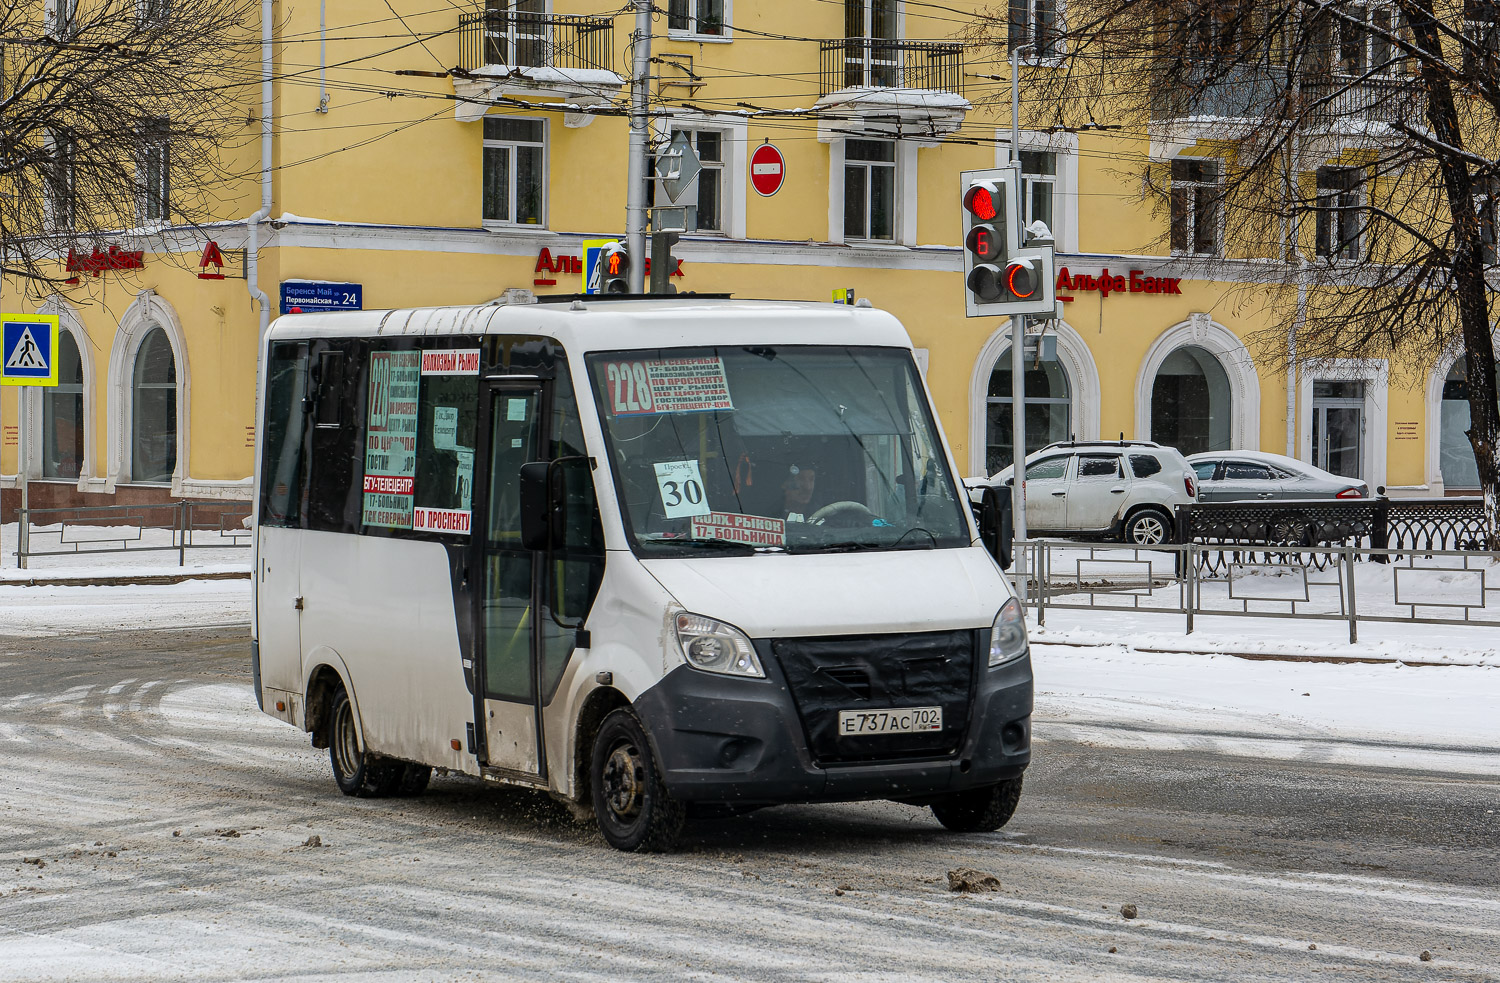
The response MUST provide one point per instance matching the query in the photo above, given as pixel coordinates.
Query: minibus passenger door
(505, 619)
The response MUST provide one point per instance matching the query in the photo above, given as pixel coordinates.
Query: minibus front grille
(879, 672)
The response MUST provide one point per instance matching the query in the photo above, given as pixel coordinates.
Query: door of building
(1338, 427)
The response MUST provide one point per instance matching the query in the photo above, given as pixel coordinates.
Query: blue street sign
(313, 296)
(28, 349)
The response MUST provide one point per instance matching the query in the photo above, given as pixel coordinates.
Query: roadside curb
(123, 581)
(1260, 656)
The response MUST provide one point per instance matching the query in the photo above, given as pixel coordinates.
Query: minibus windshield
(734, 450)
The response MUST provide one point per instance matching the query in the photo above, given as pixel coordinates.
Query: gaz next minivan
(647, 555)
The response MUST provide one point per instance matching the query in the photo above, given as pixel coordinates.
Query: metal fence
(877, 63)
(1280, 531)
(521, 39)
(1322, 583)
(127, 529)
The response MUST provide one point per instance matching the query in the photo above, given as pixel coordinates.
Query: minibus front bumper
(739, 741)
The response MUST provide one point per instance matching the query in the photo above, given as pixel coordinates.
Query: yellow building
(452, 154)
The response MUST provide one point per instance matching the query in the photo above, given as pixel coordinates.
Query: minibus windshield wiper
(899, 543)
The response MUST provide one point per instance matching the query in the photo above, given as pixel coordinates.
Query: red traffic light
(1021, 281)
(986, 243)
(983, 200)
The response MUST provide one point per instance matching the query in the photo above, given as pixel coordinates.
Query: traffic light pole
(640, 147)
(1017, 349)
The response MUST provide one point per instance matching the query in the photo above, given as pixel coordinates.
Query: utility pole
(640, 146)
(1018, 342)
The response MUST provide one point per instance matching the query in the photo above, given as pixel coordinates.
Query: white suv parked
(1114, 489)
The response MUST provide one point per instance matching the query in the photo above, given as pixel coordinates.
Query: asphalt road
(153, 827)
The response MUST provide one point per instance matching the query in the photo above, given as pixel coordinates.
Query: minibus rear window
(801, 448)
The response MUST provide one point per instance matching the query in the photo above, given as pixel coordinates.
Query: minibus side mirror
(995, 529)
(536, 505)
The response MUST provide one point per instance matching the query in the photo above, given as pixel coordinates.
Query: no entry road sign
(767, 170)
(28, 349)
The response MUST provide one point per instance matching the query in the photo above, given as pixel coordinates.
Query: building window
(1034, 23)
(1195, 206)
(1191, 405)
(697, 16)
(1356, 42)
(1482, 31)
(709, 216)
(64, 16)
(514, 170)
(516, 33)
(1048, 410)
(153, 410)
(62, 414)
(151, 11)
(871, 56)
(1337, 227)
(63, 182)
(870, 189)
(1039, 184)
(154, 175)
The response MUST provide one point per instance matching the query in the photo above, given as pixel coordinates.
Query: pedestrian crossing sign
(28, 350)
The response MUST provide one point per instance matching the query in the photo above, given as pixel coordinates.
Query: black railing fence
(878, 63)
(520, 39)
(1276, 529)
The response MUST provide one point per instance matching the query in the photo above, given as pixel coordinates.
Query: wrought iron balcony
(521, 39)
(1368, 100)
(857, 63)
(506, 53)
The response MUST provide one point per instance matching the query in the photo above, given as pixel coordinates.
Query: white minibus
(652, 556)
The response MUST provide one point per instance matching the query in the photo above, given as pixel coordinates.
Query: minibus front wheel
(632, 806)
(979, 810)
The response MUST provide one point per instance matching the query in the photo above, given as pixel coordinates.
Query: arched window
(1048, 410)
(1455, 453)
(62, 414)
(1190, 402)
(153, 414)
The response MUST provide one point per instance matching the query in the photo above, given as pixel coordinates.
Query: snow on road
(38, 611)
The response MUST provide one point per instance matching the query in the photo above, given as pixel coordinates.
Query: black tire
(631, 804)
(414, 779)
(356, 771)
(1148, 527)
(979, 810)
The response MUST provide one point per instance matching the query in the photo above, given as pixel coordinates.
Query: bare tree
(1343, 153)
(115, 115)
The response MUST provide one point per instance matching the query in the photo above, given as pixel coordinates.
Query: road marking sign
(28, 350)
(767, 170)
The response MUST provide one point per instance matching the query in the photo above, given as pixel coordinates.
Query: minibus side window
(332, 479)
(284, 431)
(578, 565)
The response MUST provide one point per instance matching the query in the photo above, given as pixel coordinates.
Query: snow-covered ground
(1442, 718)
(68, 610)
(80, 553)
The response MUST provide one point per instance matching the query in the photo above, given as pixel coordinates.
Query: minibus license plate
(861, 723)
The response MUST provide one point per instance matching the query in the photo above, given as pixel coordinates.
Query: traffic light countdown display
(1003, 273)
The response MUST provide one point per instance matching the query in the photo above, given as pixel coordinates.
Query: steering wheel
(850, 510)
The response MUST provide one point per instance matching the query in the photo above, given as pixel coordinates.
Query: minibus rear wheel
(979, 810)
(356, 771)
(630, 802)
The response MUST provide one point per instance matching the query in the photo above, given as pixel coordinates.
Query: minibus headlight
(714, 646)
(1008, 635)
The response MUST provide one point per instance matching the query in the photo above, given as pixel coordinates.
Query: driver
(797, 493)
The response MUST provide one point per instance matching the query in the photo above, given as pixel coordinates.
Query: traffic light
(614, 272)
(1004, 273)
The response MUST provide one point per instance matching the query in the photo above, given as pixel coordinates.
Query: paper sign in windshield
(757, 530)
(681, 489)
(391, 439)
(668, 385)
